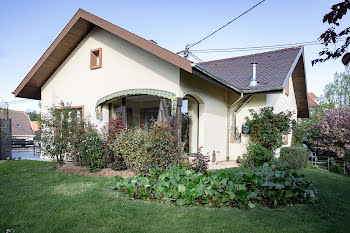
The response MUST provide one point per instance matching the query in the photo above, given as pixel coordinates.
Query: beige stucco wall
(124, 66)
(281, 103)
(213, 103)
(237, 148)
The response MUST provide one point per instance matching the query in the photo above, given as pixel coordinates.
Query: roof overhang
(72, 34)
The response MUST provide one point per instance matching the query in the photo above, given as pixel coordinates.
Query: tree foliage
(60, 132)
(331, 36)
(337, 93)
(33, 115)
(267, 128)
(334, 130)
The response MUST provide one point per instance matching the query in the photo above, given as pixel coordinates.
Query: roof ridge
(254, 54)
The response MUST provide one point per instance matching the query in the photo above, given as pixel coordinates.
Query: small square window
(18, 125)
(95, 58)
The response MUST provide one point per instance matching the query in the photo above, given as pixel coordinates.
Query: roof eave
(97, 21)
(204, 71)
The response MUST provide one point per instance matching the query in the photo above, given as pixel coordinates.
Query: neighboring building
(312, 100)
(22, 131)
(104, 70)
(35, 126)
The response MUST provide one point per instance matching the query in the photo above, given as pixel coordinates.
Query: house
(104, 70)
(22, 131)
(35, 126)
(313, 100)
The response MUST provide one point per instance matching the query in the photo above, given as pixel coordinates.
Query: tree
(61, 131)
(304, 132)
(337, 93)
(33, 115)
(330, 36)
(334, 129)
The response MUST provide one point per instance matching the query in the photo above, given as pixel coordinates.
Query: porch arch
(141, 91)
(194, 112)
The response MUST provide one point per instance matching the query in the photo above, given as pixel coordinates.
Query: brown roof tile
(271, 71)
(20, 123)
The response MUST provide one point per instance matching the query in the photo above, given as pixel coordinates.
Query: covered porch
(141, 107)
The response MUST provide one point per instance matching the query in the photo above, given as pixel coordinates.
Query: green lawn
(36, 198)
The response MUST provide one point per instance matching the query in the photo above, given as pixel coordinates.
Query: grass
(36, 198)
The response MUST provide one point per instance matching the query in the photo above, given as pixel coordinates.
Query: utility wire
(195, 57)
(20, 101)
(191, 45)
(218, 50)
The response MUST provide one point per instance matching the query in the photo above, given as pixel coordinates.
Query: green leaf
(251, 205)
(241, 194)
(162, 176)
(288, 193)
(181, 188)
(180, 202)
(152, 171)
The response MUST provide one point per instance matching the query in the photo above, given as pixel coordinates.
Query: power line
(20, 101)
(191, 45)
(195, 57)
(242, 49)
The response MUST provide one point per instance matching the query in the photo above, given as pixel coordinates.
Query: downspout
(228, 126)
(239, 107)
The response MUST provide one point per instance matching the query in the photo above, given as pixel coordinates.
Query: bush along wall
(263, 186)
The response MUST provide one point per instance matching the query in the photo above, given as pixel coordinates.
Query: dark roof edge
(253, 54)
(301, 52)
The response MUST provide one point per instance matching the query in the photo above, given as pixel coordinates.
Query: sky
(29, 27)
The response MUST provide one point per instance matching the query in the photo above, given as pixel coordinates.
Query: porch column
(124, 116)
(178, 124)
(110, 112)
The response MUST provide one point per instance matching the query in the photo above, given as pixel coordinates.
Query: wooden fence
(325, 162)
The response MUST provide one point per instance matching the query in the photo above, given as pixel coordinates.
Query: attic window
(287, 89)
(18, 125)
(95, 58)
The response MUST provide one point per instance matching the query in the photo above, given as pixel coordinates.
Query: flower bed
(180, 186)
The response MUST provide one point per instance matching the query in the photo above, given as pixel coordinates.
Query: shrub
(61, 129)
(293, 157)
(335, 168)
(267, 127)
(141, 148)
(256, 155)
(200, 163)
(110, 131)
(91, 154)
(243, 189)
(160, 145)
(130, 145)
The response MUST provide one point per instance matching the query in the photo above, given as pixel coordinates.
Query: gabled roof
(20, 122)
(273, 70)
(73, 33)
